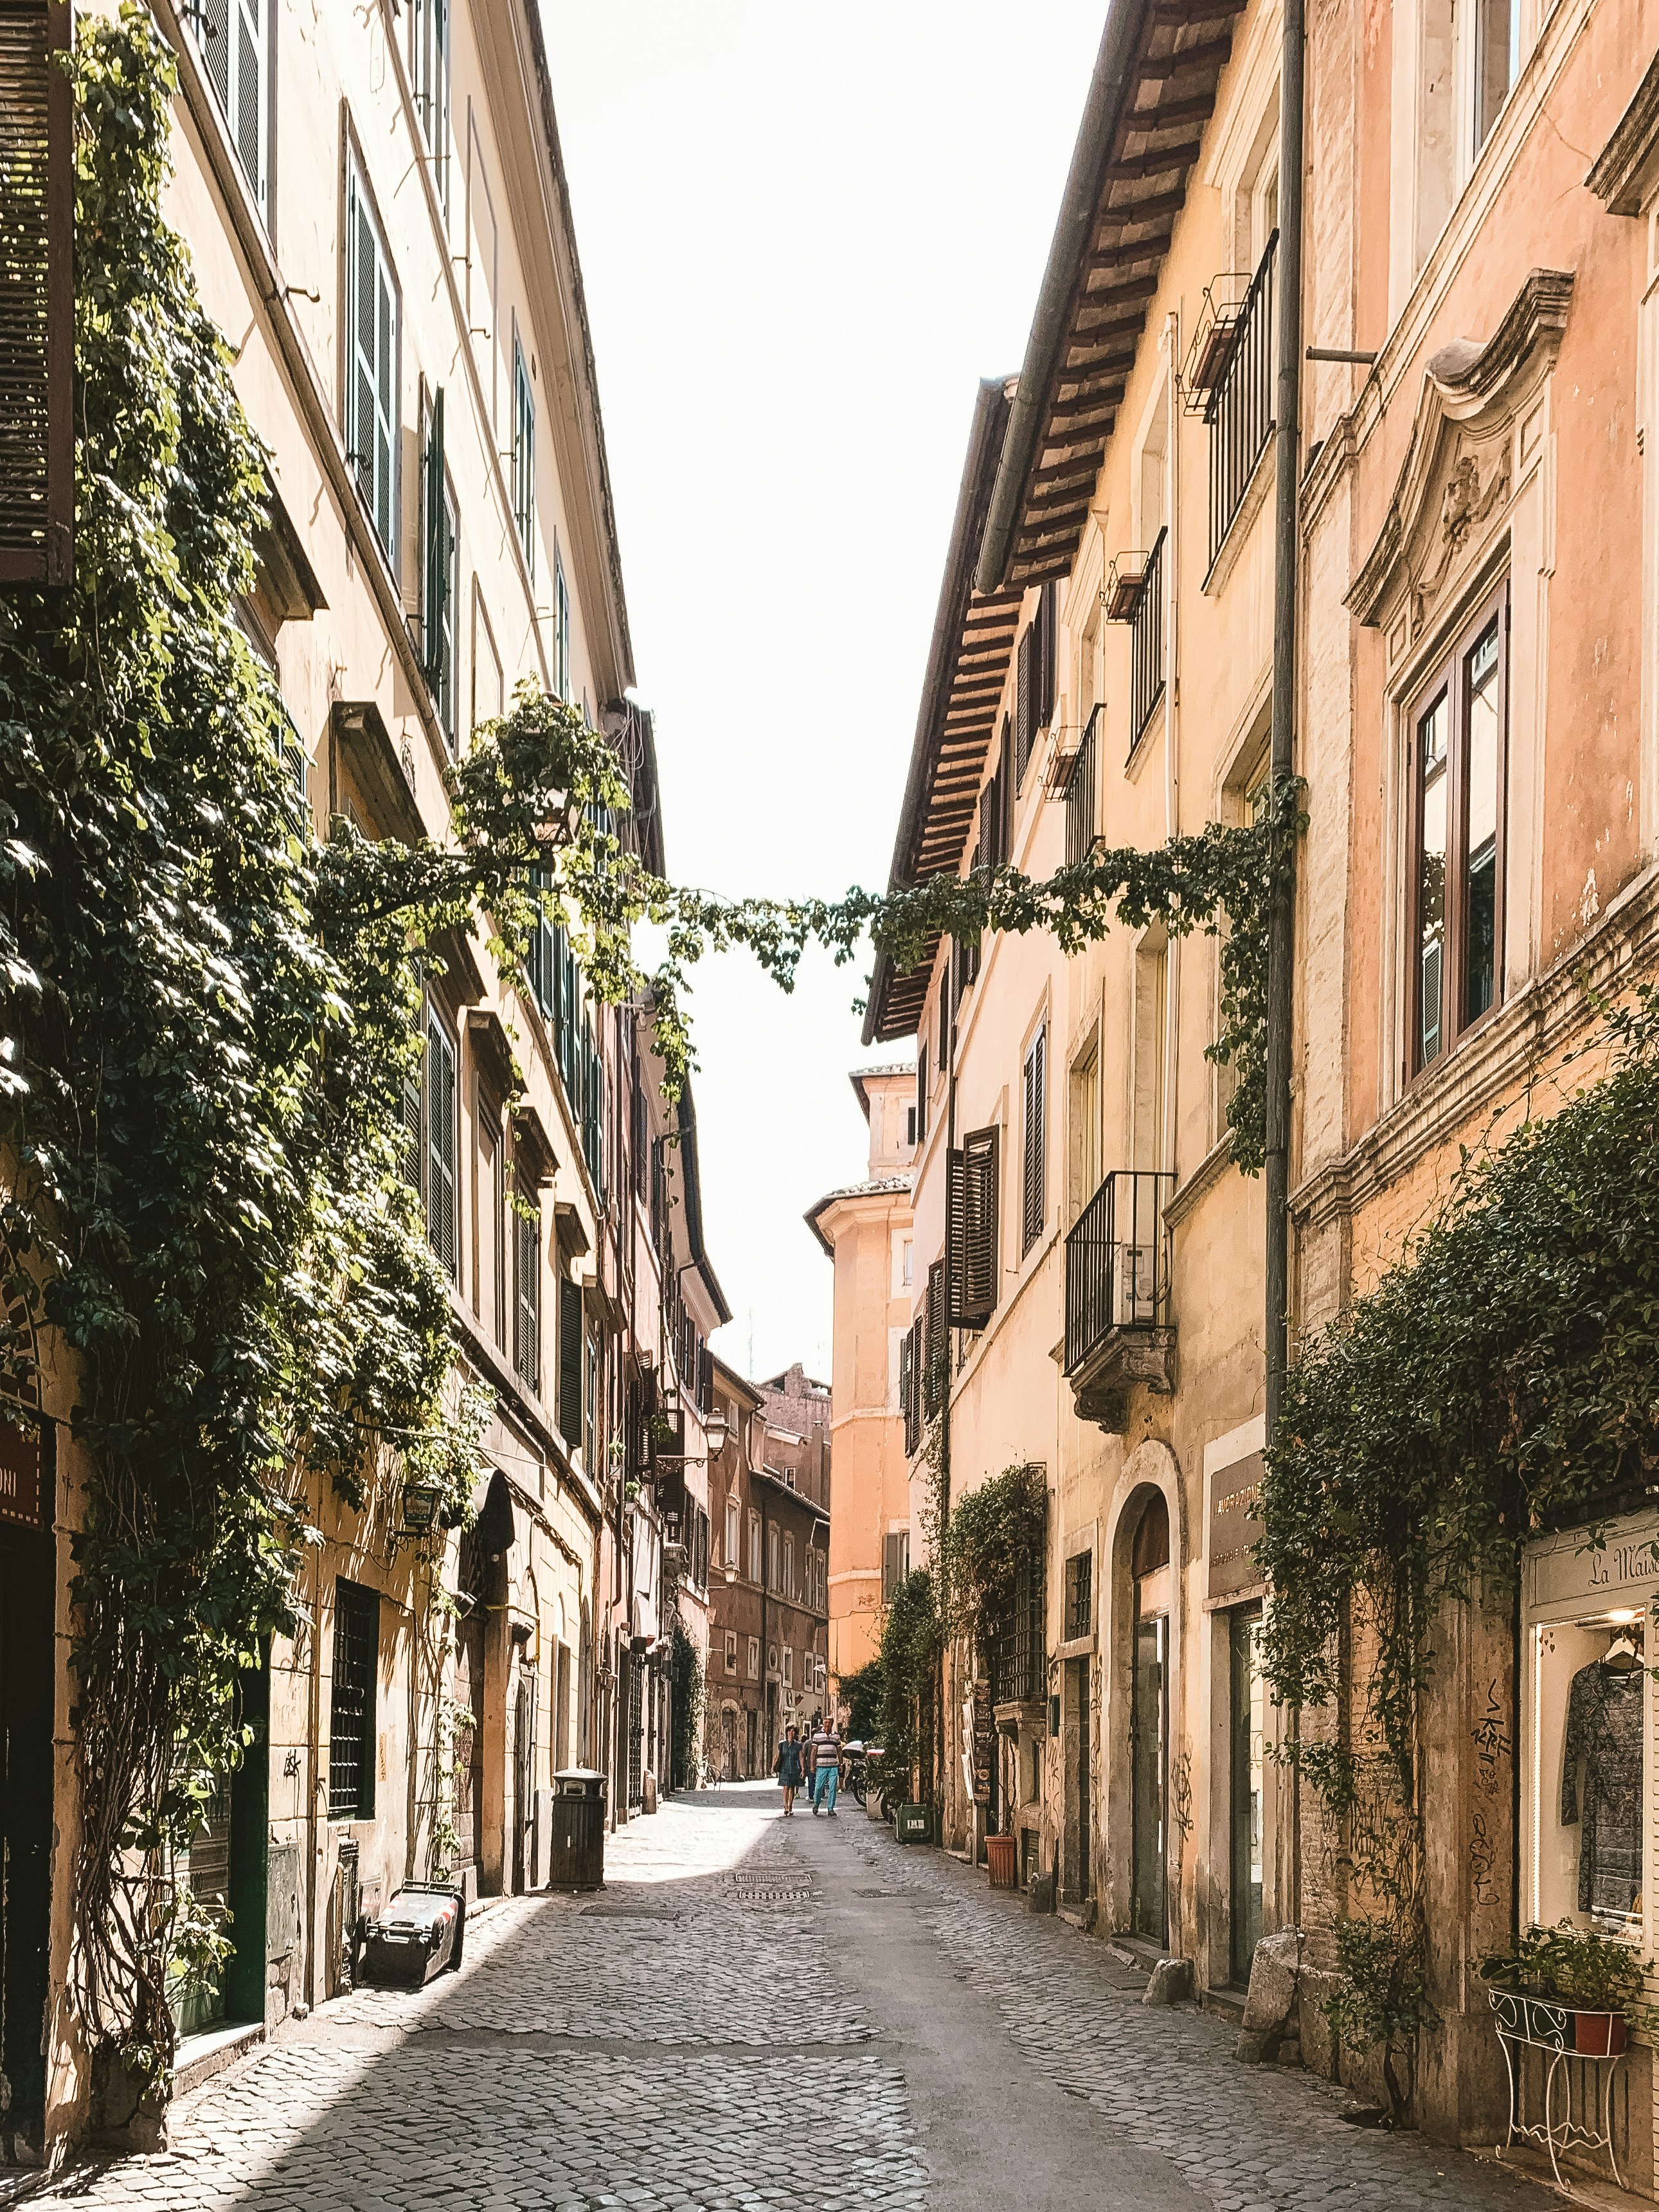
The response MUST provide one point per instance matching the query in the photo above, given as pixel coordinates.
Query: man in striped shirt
(824, 1754)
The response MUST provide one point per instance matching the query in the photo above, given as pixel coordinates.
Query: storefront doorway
(1149, 1711)
(1078, 1722)
(28, 1590)
(1248, 1751)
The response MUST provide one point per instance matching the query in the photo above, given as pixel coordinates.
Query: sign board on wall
(25, 1499)
(1234, 1526)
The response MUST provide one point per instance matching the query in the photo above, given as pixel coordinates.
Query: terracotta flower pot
(1598, 2034)
(1001, 1857)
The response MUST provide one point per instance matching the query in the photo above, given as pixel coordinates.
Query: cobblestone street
(752, 2013)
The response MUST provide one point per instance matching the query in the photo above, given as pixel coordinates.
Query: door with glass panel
(1244, 1919)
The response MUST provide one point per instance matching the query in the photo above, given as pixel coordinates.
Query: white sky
(804, 235)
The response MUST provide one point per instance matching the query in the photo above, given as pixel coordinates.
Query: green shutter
(412, 1129)
(570, 1363)
(441, 1145)
(437, 546)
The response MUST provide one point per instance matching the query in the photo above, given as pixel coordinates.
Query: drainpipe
(1172, 723)
(1287, 414)
(944, 1394)
(1282, 915)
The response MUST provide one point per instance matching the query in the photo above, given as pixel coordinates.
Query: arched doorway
(1149, 1719)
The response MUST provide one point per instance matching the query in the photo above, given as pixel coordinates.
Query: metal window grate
(351, 1702)
(1014, 1643)
(1080, 1595)
(1240, 410)
(1146, 643)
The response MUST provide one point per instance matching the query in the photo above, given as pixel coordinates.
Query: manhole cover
(778, 1888)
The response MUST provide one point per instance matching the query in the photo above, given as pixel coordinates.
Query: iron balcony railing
(1081, 792)
(1146, 643)
(1240, 411)
(1117, 1270)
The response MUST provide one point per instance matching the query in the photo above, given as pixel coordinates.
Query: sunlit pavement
(757, 2012)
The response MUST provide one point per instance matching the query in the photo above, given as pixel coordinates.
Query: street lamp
(715, 1432)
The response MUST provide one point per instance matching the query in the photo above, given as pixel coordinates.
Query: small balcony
(1118, 1332)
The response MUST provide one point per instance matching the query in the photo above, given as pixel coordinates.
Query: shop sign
(24, 1489)
(1235, 1527)
(1568, 1568)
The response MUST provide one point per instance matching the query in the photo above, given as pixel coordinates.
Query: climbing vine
(995, 1534)
(1497, 1382)
(208, 1021)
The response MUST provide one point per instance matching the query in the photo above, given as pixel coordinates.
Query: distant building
(768, 1489)
(866, 1230)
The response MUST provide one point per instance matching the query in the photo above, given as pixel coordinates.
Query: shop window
(1585, 1726)
(1455, 782)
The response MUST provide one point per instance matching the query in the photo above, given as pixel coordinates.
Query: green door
(28, 1590)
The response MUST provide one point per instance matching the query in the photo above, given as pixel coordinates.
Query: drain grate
(777, 1888)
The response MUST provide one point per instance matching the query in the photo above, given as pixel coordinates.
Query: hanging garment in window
(1604, 1732)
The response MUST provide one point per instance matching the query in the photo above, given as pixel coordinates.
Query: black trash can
(576, 1857)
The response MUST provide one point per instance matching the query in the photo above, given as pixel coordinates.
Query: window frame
(432, 97)
(351, 1597)
(442, 1205)
(524, 455)
(1447, 675)
(1034, 1140)
(228, 99)
(361, 209)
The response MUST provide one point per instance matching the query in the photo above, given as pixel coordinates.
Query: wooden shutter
(937, 1341)
(527, 1299)
(1048, 654)
(972, 1200)
(570, 1363)
(411, 1135)
(1025, 702)
(907, 1390)
(372, 366)
(37, 297)
(437, 545)
(1035, 1184)
(441, 1144)
(921, 1087)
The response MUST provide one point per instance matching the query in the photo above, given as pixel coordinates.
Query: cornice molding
(1474, 387)
(1626, 173)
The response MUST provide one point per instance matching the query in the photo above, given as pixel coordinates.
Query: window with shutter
(373, 318)
(570, 1363)
(921, 1089)
(441, 1143)
(907, 1390)
(972, 1199)
(936, 1342)
(1025, 702)
(527, 1296)
(562, 669)
(429, 73)
(411, 1146)
(1048, 628)
(438, 533)
(524, 458)
(894, 1563)
(232, 37)
(37, 297)
(1034, 1195)
(351, 1723)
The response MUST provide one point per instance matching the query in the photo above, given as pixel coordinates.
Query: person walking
(789, 1767)
(824, 1757)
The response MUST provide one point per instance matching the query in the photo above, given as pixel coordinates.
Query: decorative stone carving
(1459, 469)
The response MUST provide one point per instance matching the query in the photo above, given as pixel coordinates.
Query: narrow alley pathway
(754, 2013)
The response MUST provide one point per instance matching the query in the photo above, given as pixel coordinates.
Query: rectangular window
(754, 1548)
(527, 1294)
(788, 1667)
(731, 1650)
(1496, 54)
(428, 71)
(1080, 1595)
(438, 543)
(351, 1702)
(570, 1363)
(1455, 755)
(373, 337)
(754, 1658)
(524, 458)
(731, 1558)
(772, 1559)
(972, 1175)
(894, 1563)
(788, 1584)
(441, 1143)
(563, 674)
(233, 37)
(919, 1112)
(1034, 1183)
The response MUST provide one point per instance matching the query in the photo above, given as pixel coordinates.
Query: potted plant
(1554, 1973)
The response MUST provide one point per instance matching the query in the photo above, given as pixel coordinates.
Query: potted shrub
(1561, 1972)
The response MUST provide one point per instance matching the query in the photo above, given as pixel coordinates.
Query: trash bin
(915, 1824)
(576, 1853)
(421, 1932)
(1001, 1858)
